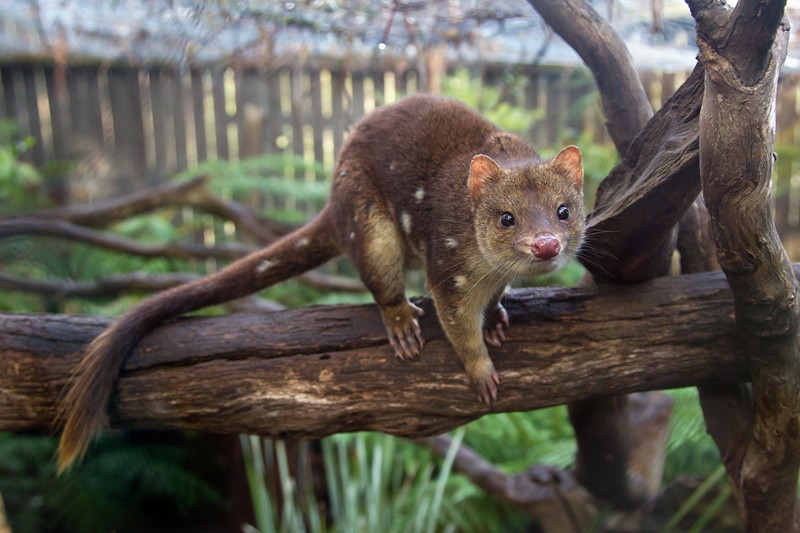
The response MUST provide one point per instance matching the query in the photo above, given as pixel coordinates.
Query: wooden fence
(147, 124)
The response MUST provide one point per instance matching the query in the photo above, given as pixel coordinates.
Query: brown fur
(408, 189)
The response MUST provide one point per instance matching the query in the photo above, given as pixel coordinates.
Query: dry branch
(625, 104)
(69, 231)
(109, 287)
(551, 495)
(743, 50)
(78, 223)
(100, 214)
(315, 371)
(191, 193)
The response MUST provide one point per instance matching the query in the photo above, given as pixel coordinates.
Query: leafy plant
(105, 492)
(374, 483)
(490, 100)
(20, 182)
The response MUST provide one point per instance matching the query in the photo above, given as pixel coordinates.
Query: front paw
(402, 328)
(494, 325)
(486, 382)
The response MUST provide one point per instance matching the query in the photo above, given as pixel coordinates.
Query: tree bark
(742, 56)
(316, 371)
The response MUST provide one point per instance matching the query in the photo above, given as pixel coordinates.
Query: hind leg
(374, 243)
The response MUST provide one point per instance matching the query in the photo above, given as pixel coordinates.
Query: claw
(403, 330)
(501, 332)
(492, 338)
(495, 326)
(487, 388)
(503, 315)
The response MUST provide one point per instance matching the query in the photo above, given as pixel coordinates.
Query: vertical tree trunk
(742, 57)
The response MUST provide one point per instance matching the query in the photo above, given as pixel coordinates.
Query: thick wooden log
(320, 370)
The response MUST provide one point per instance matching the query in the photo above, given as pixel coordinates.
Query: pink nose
(545, 246)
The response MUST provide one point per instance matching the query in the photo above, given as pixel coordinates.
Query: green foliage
(785, 166)
(104, 493)
(375, 483)
(20, 182)
(690, 450)
(268, 175)
(492, 101)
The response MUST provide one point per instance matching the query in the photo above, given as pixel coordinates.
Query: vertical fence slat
(220, 113)
(338, 119)
(56, 100)
(199, 114)
(159, 118)
(34, 120)
(9, 96)
(274, 117)
(357, 82)
(555, 106)
(317, 120)
(78, 116)
(250, 113)
(179, 119)
(297, 115)
(126, 109)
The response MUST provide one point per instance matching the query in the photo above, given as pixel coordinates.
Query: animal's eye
(562, 212)
(507, 220)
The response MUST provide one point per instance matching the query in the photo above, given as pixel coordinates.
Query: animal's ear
(569, 160)
(482, 170)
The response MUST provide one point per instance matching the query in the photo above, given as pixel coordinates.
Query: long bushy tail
(83, 408)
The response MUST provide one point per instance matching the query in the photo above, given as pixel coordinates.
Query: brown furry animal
(423, 181)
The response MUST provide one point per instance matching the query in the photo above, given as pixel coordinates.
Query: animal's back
(414, 139)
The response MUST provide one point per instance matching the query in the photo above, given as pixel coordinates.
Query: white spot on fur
(352, 235)
(460, 281)
(419, 194)
(392, 165)
(265, 265)
(302, 243)
(451, 242)
(405, 219)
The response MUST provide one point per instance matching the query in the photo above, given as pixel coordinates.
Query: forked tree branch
(743, 51)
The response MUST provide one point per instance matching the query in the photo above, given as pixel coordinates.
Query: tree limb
(100, 214)
(549, 494)
(625, 104)
(736, 159)
(67, 230)
(109, 287)
(190, 193)
(320, 370)
(631, 231)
